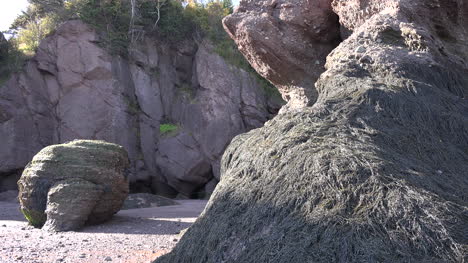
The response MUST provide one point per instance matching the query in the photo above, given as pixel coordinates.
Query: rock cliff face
(376, 169)
(73, 89)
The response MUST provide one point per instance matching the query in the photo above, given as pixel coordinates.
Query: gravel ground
(136, 235)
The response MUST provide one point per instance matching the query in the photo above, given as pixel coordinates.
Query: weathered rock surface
(68, 185)
(375, 170)
(73, 89)
(287, 43)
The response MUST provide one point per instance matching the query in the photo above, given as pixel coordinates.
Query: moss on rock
(80, 166)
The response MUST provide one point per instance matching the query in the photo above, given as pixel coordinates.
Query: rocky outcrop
(300, 34)
(68, 185)
(74, 89)
(375, 170)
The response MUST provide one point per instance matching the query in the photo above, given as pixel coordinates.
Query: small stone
(379, 40)
(175, 240)
(366, 60)
(3, 225)
(317, 62)
(439, 172)
(23, 228)
(85, 240)
(360, 49)
(19, 257)
(82, 255)
(108, 259)
(59, 260)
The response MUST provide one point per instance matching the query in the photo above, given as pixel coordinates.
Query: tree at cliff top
(124, 21)
(11, 58)
(369, 160)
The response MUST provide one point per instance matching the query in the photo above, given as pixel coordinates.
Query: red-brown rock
(286, 42)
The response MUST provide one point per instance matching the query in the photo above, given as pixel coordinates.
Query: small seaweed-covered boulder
(68, 185)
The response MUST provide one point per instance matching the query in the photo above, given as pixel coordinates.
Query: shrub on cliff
(11, 58)
(121, 23)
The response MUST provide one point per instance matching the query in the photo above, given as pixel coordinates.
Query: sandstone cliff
(369, 164)
(73, 89)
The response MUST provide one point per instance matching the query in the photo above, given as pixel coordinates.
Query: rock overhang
(287, 43)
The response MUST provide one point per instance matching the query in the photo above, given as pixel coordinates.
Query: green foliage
(133, 106)
(174, 21)
(110, 18)
(11, 59)
(227, 5)
(35, 219)
(187, 92)
(173, 26)
(270, 90)
(33, 33)
(168, 129)
(228, 50)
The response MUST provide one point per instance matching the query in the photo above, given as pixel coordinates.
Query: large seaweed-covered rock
(375, 170)
(68, 185)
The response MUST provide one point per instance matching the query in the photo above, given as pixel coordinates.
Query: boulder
(68, 185)
(185, 169)
(375, 170)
